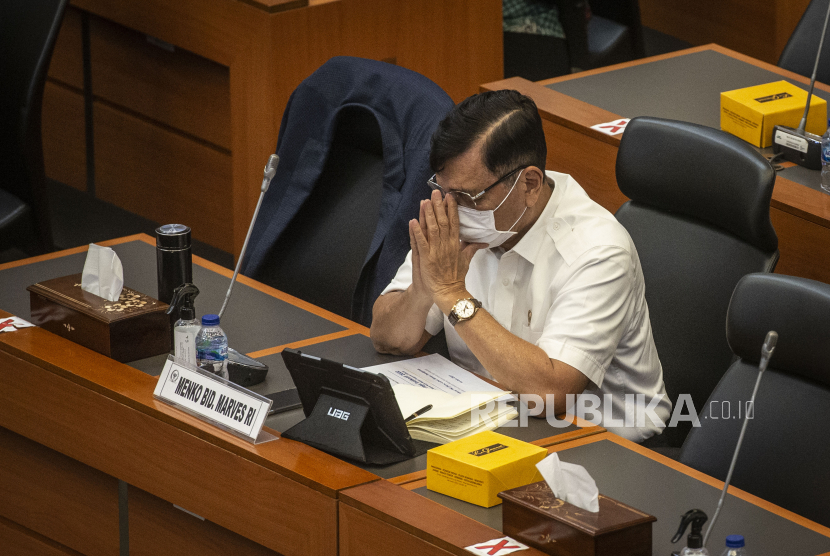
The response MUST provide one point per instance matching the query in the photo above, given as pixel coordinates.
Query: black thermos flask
(173, 259)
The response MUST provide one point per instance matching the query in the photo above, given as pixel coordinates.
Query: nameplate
(796, 143)
(213, 399)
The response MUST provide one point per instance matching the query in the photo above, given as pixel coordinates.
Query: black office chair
(699, 218)
(28, 30)
(320, 255)
(785, 453)
(799, 55)
(354, 163)
(606, 32)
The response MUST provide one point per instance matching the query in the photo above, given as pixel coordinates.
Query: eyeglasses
(465, 199)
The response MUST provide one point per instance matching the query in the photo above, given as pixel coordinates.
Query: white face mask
(479, 226)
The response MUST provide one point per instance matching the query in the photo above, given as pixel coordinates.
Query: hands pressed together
(440, 260)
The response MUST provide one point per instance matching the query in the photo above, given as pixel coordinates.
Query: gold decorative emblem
(128, 301)
(69, 327)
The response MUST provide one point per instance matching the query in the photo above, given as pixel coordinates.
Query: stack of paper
(462, 403)
(452, 416)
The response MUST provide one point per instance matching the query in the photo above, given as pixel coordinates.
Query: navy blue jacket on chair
(407, 107)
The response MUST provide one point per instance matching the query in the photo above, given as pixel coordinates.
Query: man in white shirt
(535, 284)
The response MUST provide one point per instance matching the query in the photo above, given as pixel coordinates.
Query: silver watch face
(465, 309)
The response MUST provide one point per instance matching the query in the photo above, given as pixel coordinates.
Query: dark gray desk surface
(253, 321)
(685, 88)
(666, 494)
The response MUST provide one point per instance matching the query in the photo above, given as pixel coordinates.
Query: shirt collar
(528, 247)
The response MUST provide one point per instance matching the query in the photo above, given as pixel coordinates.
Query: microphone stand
(269, 173)
(766, 354)
(798, 145)
(242, 369)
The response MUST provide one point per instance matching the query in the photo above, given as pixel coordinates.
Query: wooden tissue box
(533, 515)
(134, 327)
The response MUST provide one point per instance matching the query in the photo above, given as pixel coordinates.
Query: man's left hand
(443, 258)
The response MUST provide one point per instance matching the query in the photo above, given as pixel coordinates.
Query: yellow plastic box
(477, 468)
(751, 113)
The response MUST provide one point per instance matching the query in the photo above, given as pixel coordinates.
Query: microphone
(268, 174)
(797, 145)
(766, 355)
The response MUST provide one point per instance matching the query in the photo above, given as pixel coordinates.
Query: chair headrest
(699, 172)
(797, 308)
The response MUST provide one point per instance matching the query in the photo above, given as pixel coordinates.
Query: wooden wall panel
(163, 176)
(456, 43)
(364, 535)
(804, 246)
(16, 540)
(64, 146)
(157, 528)
(57, 496)
(590, 162)
(162, 458)
(181, 89)
(758, 28)
(266, 48)
(369, 28)
(66, 65)
(383, 518)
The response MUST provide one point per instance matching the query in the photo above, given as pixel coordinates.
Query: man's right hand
(419, 289)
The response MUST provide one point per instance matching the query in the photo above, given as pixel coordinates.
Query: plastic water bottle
(212, 347)
(734, 546)
(825, 160)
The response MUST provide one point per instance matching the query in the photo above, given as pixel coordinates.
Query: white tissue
(570, 482)
(103, 274)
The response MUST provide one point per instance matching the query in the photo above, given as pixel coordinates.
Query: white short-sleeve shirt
(574, 287)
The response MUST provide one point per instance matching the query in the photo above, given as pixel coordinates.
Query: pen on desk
(417, 413)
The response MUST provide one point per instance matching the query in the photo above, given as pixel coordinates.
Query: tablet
(349, 412)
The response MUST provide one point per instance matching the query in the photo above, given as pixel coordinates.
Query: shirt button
(556, 225)
(506, 282)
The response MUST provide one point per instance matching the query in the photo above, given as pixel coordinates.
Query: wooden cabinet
(184, 99)
(158, 528)
(55, 497)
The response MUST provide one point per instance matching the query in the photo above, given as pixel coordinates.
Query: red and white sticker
(496, 547)
(612, 128)
(11, 324)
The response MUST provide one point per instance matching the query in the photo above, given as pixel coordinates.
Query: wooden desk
(405, 519)
(74, 421)
(180, 128)
(800, 214)
(75, 426)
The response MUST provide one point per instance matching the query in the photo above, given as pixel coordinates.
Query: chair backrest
(602, 33)
(28, 31)
(786, 449)
(799, 55)
(354, 160)
(320, 255)
(699, 217)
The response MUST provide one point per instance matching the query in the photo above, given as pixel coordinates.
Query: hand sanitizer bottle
(694, 542)
(186, 328)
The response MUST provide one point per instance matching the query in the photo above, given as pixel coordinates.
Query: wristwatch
(464, 309)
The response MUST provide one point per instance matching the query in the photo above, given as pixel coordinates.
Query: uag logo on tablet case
(339, 414)
(488, 450)
(770, 98)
